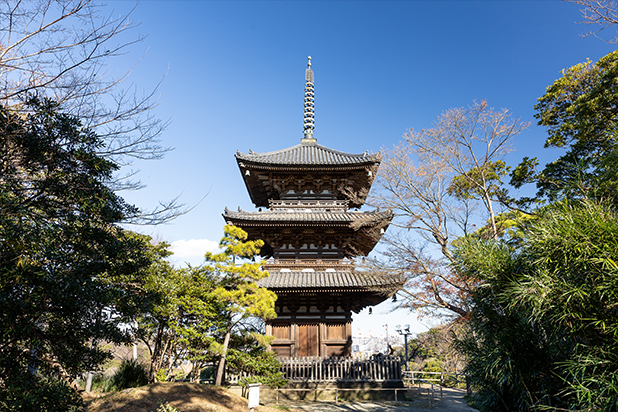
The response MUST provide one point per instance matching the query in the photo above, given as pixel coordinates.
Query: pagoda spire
(308, 123)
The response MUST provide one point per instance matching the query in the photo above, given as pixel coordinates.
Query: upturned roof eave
(371, 218)
(305, 166)
(345, 159)
(335, 281)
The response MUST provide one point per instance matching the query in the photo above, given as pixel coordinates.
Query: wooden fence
(315, 369)
(334, 369)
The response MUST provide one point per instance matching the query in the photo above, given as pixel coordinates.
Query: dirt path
(453, 402)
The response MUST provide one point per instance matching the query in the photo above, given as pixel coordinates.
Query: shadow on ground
(453, 401)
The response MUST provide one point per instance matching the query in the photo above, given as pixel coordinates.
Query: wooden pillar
(323, 337)
(294, 338)
(348, 334)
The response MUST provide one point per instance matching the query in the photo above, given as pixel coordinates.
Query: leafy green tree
(179, 320)
(164, 285)
(69, 275)
(544, 323)
(195, 310)
(199, 317)
(580, 113)
(237, 285)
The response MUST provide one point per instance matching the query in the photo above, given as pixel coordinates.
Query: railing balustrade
(317, 264)
(309, 203)
(328, 369)
(335, 369)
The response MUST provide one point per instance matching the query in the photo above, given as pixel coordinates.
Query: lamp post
(385, 326)
(405, 333)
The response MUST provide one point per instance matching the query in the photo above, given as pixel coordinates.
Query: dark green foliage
(193, 309)
(181, 318)
(544, 324)
(508, 361)
(68, 273)
(573, 291)
(207, 373)
(545, 320)
(580, 111)
(433, 351)
(30, 393)
(130, 375)
(100, 383)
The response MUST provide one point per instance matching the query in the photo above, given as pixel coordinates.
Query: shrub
(36, 393)
(100, 383)
(208, 373)
(262, 365)
(130, 375)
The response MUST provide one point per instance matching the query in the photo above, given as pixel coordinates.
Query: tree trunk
(194, 376)
(158, 353)
(89, 381)
(221, 368)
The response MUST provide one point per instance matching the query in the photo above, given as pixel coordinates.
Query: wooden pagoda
(312, 237)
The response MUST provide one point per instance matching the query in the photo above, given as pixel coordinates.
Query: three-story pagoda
(312, 237)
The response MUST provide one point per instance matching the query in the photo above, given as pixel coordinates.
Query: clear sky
(233, 77)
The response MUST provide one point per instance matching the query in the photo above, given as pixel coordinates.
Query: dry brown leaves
(186, 397)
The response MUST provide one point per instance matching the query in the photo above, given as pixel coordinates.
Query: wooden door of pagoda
(308, 340)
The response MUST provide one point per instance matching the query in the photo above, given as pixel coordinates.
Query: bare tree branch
(440, 182)
(603, 13)
(60, 49)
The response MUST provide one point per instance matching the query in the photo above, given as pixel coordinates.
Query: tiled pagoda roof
(322, 217)
(352, 290)
(308, 154)
(362, 228)
(348, 280)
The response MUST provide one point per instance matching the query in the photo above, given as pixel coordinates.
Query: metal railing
(443, 378)
(411, 378)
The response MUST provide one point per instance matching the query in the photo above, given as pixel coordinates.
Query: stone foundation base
(330, 391)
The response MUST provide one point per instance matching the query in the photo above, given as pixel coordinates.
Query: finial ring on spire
(308, 123)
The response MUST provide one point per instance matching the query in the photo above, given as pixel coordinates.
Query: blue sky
(233, 77)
